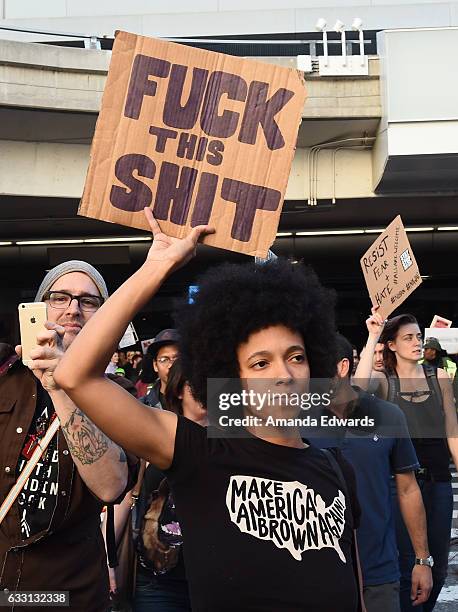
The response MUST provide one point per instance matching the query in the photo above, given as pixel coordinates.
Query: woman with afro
(267, 518)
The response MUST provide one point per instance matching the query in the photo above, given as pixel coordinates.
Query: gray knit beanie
(71, 266)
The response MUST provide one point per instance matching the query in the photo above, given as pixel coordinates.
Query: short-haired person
(50, 539)
(179, 398)
(376, 458)
(378, 364)
(425, 396)
(164, 351)
(266, 523)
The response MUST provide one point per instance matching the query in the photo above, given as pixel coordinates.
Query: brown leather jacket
(70, 555)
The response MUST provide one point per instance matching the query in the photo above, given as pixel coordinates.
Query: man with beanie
(50, 539)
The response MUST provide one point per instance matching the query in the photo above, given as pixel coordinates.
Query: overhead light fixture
(43, 242)
(284, 234)
(108, 239)
(357, 23)
(448, 228)
(321, 27)
(120, 239)
(331, 233)
(419, 229)
(356, 26)
(6, 243)
(339, 26)
(377, 230)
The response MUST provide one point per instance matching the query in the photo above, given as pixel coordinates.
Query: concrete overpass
(353, 172)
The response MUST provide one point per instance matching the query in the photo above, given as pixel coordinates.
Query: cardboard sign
(200, 137)
(129, 338)
(440, 322)
(390, 270)
(448, 338)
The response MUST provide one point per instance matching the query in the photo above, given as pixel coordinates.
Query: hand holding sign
(375, 323)
(176, 250)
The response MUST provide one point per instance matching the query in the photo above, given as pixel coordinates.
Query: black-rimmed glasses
(60, 300)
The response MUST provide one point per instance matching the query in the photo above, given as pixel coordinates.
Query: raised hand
(178, 251)
(47, 354)
(375, 323)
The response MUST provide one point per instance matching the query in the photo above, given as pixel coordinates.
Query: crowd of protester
(348, 519)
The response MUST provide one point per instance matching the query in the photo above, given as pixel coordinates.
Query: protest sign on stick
(390, 269)
(200, 137)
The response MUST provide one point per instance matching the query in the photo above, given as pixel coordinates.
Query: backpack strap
(112, 548)
(138, 484)
(111, 537)
(433, 383)
(393, 387)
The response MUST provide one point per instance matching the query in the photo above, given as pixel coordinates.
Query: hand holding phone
(32, 319)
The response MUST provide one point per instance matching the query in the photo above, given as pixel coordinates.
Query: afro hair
(237, 300)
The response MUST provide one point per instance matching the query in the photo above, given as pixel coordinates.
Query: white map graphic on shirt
(290, 514)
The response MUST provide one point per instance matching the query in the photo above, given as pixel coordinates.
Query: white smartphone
(32, 318)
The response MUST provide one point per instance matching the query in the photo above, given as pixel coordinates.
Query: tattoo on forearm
(85, 441)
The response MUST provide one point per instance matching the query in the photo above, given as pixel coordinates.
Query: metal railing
(314, 45)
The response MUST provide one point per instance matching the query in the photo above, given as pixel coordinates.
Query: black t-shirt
(266, 527)
(433, 453)
(426, 423)
(38, 497)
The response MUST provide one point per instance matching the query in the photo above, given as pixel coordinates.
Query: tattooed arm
(101, 463)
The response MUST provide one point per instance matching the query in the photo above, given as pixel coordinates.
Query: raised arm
(146, 432)
(364, 371)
